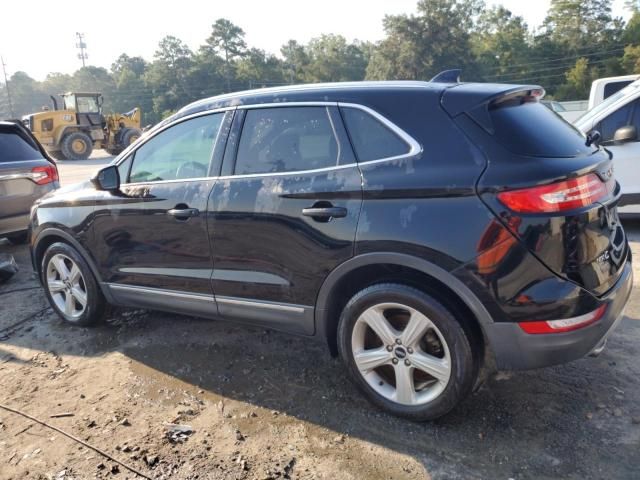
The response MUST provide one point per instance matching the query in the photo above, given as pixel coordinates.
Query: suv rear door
(284, 213)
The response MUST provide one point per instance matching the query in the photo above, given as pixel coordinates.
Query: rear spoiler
(474, 99)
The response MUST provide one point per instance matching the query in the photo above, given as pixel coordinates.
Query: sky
(38, 39)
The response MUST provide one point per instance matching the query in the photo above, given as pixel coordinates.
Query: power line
(6, 85)
(82, 46)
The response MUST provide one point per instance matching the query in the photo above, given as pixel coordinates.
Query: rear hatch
(24, 171)
(552, 190)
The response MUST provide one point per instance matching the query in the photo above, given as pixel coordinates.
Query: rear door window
(371, 139)
(286, 139)
(531, 129)
(14, 148)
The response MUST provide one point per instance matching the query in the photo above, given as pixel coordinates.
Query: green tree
(227, 40)
(259, 69)
(501, 45)
(296, 61)
(419, 46)
(579, 79)
(580, 24)
(168, 75)
(333, 59)
(136, 65)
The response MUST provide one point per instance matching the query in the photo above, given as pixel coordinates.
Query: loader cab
(88, 108)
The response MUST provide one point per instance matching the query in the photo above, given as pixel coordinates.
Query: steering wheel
(191, 170)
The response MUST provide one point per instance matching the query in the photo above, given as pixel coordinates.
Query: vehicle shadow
(516, 425)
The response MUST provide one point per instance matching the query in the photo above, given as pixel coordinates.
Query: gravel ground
(264, 405)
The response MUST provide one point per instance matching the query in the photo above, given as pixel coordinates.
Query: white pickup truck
(618, 120)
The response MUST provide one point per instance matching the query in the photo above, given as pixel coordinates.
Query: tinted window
(180, 152)
(13, 148)
(532, 129)
(620, 118)
(123, 169)
(371, 139)
(286, 139)
(613, 87)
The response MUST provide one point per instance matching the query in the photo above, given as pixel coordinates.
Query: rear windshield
(13, 148)
(532, 129)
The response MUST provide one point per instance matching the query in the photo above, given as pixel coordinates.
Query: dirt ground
(264, 405)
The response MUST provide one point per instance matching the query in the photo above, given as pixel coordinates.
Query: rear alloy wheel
(76, 146)
(71, 287)
(406, 351)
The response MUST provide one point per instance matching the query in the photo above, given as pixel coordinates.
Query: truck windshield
(595, 111)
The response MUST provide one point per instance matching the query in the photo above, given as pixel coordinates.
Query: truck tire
(129, 136)
(76, 146)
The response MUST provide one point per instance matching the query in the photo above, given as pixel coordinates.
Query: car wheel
(76, 146)
(70, 286)
(406, 351)
(18, 238)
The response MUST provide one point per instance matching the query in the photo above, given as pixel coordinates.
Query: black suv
(421, 229)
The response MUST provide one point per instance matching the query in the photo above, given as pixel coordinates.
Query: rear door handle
(183, 213)
(324, 213)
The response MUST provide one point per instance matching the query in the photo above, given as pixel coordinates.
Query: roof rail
(447, 76)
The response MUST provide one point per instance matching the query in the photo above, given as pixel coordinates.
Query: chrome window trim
(414, 147)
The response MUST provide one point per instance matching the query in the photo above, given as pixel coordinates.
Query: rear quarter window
(371, 139)
(14, 148)
(532, 129)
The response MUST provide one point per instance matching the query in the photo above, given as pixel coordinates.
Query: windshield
(595, 111)
(88, 105)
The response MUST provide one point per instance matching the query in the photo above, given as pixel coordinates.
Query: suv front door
(284, 214)
(152, 238)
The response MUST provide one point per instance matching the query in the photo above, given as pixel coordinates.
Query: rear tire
(70, 286)
(417, 361)
(76, 146)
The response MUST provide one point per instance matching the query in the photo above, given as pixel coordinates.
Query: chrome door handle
(183, 213)
(324, 213)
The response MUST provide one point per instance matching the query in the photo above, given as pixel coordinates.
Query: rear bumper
(516, 350)
(14, 224)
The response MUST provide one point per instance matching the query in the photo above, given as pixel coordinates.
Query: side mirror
(593, 138)
(107, 179)
(626, 134)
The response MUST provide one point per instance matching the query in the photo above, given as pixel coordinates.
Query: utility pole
(82, 46)
(6, 85)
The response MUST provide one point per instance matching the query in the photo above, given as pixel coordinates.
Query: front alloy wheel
(71, 287)
(66, 286)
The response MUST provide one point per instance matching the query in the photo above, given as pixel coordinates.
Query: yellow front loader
(73, 131)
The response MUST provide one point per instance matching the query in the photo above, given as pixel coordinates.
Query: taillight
(564, 325)
(44, 175)
(556, 197)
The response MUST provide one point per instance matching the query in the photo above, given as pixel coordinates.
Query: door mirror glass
(626, 134)
(107, 179)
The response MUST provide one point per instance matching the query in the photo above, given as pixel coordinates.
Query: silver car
(26, 174)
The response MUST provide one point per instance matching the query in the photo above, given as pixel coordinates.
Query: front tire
(406, 351)
(76, 146)
(71, 287)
